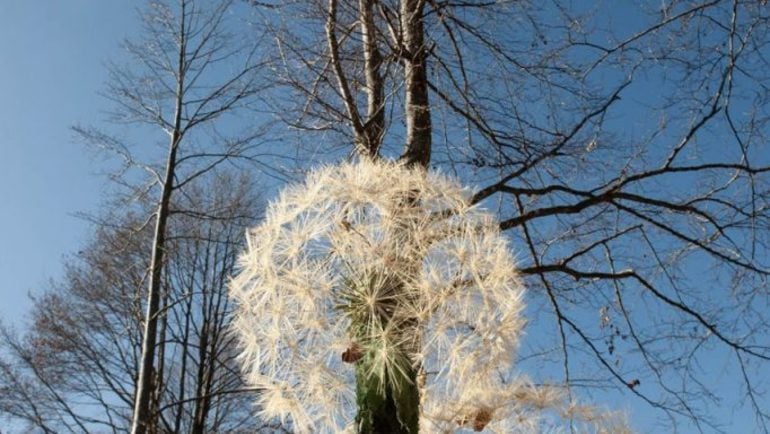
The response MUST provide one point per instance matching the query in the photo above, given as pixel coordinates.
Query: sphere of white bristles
(457, 313)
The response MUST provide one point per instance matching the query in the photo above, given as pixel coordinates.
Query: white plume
(356, 243)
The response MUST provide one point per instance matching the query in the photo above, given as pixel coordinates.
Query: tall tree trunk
(143, 386)
(141, 417)
(417, 110)
(205, 378)
(158, 380)
(185, 355)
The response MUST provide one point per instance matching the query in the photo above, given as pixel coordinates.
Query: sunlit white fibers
(356, 243)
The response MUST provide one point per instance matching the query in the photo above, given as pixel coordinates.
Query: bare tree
(624, 147)
(75, 369)
(202, 389)
(188, 74)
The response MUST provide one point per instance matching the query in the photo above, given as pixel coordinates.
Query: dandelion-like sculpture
(374, 298)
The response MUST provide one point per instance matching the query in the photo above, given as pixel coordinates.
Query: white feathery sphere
(390, 263)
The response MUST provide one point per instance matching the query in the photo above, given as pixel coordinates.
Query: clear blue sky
(51, 68)
(52, 55)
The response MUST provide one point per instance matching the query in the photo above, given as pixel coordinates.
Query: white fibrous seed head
(393, 264)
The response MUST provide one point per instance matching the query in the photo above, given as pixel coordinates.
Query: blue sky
(52, 67)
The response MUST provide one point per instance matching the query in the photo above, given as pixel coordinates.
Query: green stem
(396, 411)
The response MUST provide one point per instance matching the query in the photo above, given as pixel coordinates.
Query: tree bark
(141, 418)
(417, 109)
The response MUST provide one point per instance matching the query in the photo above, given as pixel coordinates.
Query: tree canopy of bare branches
(75, 369)
(624, 147)
(188, 73)
(191, 73)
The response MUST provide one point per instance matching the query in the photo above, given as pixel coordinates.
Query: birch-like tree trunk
(144, 390)
(417, 148)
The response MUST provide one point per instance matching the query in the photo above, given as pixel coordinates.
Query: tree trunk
(205, 366)
(141, 419)
(142, 416)
(417, 110)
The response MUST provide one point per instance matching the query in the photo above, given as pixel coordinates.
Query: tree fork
(392, 407)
